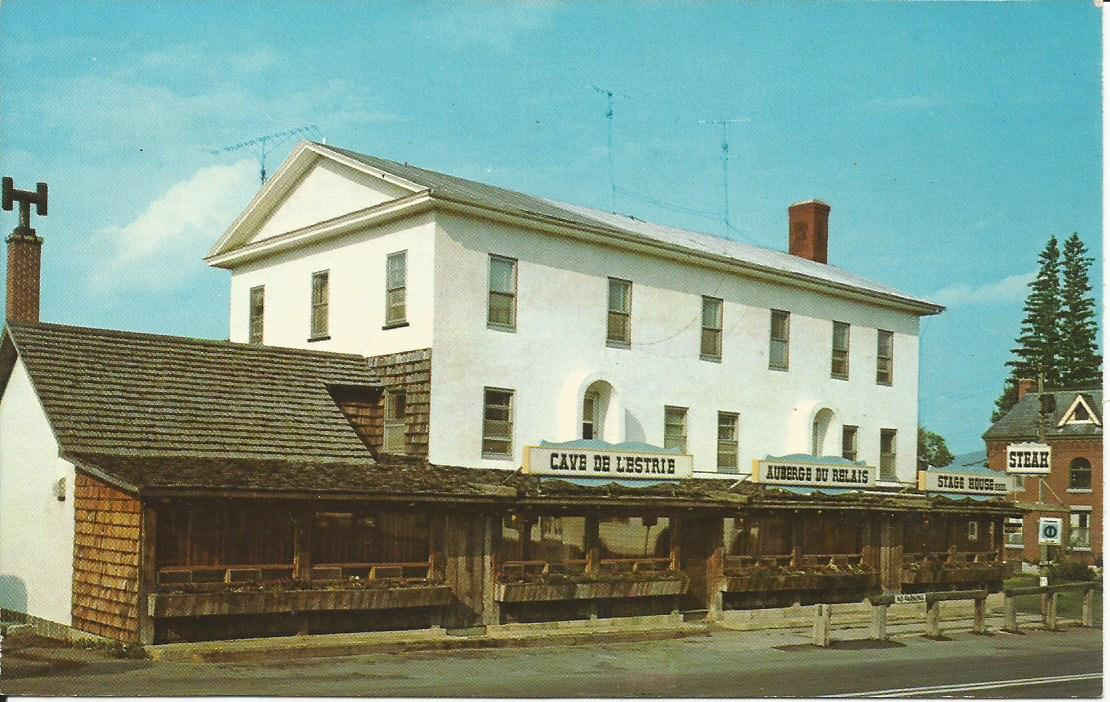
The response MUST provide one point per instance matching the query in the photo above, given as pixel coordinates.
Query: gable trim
(1067, 417)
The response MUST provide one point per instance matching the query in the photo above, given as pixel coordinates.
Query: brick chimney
(809, 230)
(24, 252)
(1025, 386)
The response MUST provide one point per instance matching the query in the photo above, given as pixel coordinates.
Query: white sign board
(1050, 531)
(594, 463)
(778, 472)
(1029, 459)
(904, 598)
(942, 481)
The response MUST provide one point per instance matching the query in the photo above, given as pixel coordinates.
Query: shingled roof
(1023, 419)
(131, 393)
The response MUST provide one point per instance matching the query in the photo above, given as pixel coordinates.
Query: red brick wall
(106, 560)
(411, 370)
(1064, 451)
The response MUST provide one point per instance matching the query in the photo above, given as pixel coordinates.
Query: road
(1035, 664)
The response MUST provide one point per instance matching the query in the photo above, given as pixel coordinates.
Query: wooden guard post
(881, 603)
(1049, 600)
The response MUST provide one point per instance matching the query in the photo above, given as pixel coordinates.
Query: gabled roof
(1023, 420)
(131, 393)
(445, 188)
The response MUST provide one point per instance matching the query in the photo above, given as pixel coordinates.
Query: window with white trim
(841, 333)
(1014, 529)
(884, 358)
(728, 441)
(712, 320)
(589, 415)
(257, 307)
(394, 424)
(1079, 530)
(780, 340)
(319, 326)
(674, 428)
(1079, 475)
(849, 438)
(887, 454)
(497, 423)
(619, 325)
(395, 281)
(502, 293)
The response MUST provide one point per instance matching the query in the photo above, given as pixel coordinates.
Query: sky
(951, 139)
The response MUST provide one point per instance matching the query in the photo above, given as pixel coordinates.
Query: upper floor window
(395, 274)
(728, 443)
(393, 438)
(502, 293)
(884, 358)
(319, 305)
(849, 438)
(841, 331)
(674, 428)
(780, 340)
(257, 305)
(712, 318)
(887, 454)
(589, 415)
(619, 327)
(1079, 530)
(497, 423)
(1079, 474)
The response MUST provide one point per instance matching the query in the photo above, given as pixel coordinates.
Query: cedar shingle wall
(106, 560)
(411, 370)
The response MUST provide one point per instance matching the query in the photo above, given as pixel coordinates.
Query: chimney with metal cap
(809, 230)
(24, 252)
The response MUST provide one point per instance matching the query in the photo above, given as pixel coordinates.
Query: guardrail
(932, 600)
(1049, 595)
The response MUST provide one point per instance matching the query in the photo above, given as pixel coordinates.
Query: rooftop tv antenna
(724, 157)
(609, 94)
(266, 144)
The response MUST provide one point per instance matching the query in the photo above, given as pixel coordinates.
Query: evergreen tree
(1006, 400)
(1080, 362)
(1038, 348)
(932, 450)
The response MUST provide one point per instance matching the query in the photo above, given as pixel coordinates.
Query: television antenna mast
(265, 144)
(609, 94)
(724, 156)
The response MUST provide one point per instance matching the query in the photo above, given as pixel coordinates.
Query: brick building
(1069, 422)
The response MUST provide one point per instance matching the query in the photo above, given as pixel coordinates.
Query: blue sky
(951, 139)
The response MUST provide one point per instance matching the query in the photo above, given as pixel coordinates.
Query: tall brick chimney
(809, 230)
(24, 252)
(1025, 386)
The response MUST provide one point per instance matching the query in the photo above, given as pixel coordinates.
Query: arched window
(1079, 474)
(595, 407)
(820, 429)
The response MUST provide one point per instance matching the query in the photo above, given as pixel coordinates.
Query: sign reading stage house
(975, 483)
(796, 470)
(1029, 459)
(597, 459)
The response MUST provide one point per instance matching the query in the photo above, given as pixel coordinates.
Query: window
(319, 305)
(1079, 475)
(1014, 529)
(972, 531)
(840, 350)
(1079, 531)
(619, 327)
(393, 438)
(502, 293)
(887, 454)
(727, 442)
(780, 340)
(395, 265)
(589, 416)
(257, 304)
(884, 358)
(674, 428)
(712, 312)
(849, 448)
(497, 424)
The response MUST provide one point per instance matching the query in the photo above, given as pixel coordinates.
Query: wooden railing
(270, 572)
(577, 566)
(953, 557)
(794, 560)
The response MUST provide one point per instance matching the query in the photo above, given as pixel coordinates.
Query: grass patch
(1068, 606)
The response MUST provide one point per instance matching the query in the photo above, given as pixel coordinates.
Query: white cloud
(158, 249)
(494, 25)
(1010, 288)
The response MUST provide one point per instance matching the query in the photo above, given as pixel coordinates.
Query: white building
(538, 320)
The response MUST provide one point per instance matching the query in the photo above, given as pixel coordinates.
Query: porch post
(148, 571)
(302, 544)
(890, 553)
(491, 537)
(592, 542)
(676, 543)
(715, 573)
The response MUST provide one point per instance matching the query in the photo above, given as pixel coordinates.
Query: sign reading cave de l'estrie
(780, 472)
(1029, 459)
(595, 463)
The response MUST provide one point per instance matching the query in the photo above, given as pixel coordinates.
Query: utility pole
(727, 220)
(609, 116)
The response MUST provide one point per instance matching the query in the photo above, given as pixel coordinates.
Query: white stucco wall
(326, 190)
(559, 348)
(36, 529)
(356, 280)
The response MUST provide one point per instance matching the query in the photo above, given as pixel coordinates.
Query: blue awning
(600, 482)
(810, 490)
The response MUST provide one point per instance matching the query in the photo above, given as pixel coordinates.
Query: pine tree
(1006, 400)
(1080, 362)
(1038, 348)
